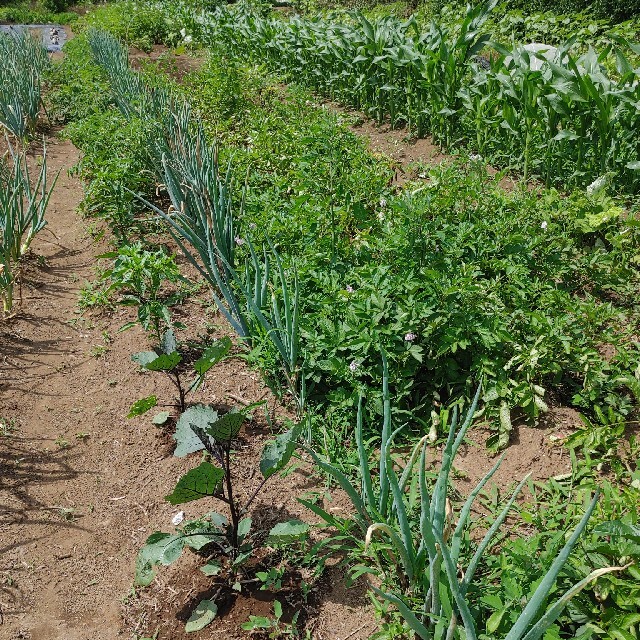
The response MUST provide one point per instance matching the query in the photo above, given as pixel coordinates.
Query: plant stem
(235, 517)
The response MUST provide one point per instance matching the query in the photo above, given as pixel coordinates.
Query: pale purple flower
(349, 289)
(543, 225)
(239, 240)
(410, 337)
(354, 365)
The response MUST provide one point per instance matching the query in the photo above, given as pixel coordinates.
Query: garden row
(568, 123)
(457, 281)
(23, 202)
(338, 309)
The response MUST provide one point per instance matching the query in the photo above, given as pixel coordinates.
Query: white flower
(543, 225)
(475, 157)
(239, 240)
(383, 202)
(410, 337)
(177, 519)
(354, 365)
(183, 32)
(349, 289)
(188, 39)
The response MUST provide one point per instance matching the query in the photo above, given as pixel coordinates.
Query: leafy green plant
(273, 627)
(227, 543)
(166, 357)
(139, 275)
(605, 607)
(410, 539)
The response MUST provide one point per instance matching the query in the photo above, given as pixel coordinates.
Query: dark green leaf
(198, 483)
(227, 427)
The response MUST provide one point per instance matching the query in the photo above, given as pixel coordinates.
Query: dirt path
(58, 474)
(81, 487)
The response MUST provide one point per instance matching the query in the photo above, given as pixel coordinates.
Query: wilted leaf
(169, 344)
(200, 416)
(160, 548)
(287, 532)
(161, 418)
(203, 615)
(213, 355)
(277, 453)
(212, 568)
(151, 361)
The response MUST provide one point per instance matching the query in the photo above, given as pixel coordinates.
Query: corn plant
(568, 120)
(23, 205)
(413, 542)
(24, 60)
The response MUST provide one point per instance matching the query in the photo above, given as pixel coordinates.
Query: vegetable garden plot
(244, 297)
(430, 288)
(568, 123)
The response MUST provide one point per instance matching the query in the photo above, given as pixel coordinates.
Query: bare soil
(81, 487)
(177, 65)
